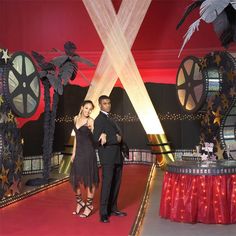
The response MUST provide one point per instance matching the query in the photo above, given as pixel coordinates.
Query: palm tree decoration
(221, 13)
(57, 73)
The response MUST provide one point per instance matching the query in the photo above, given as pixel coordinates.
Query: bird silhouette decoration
(221, 13)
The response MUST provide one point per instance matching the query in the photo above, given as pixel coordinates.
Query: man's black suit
(111, 162)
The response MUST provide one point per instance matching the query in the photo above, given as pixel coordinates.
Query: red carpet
(49, 213)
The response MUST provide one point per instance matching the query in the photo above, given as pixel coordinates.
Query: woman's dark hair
(86, 102)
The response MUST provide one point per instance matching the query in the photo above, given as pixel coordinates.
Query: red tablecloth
(199, 198)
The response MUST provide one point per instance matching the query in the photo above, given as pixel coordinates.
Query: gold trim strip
(135, 230)
(16, 198)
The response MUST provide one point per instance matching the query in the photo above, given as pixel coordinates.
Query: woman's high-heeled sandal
(80, 202)
(89, 206)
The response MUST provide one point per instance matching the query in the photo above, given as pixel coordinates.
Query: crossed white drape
(117, 34)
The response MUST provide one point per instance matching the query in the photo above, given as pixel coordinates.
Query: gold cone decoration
(160, 147)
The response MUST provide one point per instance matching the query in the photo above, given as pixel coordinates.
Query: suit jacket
(109, 153)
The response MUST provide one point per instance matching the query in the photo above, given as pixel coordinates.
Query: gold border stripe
(135, 230)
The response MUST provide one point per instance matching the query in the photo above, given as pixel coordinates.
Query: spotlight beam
(130, 17)
(103, 16)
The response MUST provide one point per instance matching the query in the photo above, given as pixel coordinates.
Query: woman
(84, 170)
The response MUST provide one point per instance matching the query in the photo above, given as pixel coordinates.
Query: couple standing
(104, 134)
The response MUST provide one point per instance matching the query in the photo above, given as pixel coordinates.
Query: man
(108, 134)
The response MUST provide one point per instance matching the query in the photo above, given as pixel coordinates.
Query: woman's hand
(102, 139)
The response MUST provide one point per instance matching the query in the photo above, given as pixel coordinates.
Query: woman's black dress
(84, 169)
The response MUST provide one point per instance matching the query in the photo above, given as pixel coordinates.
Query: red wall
(44, 24)
(41, 25)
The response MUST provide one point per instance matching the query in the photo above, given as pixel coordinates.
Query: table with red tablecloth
(199, 192)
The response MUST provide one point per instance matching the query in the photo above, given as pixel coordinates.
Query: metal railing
(34, 164)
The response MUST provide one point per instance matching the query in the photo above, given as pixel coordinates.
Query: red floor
(49, 213)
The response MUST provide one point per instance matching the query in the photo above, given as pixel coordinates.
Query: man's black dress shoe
(118, 213)
(104, 219)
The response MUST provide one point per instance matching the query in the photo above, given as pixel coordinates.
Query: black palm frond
(56, 50)
(42, 74)
(38, 57)
(68, 72)
(46, 66)
(225, 25)
(85, 61)
(56, 83)
(75, 70)
(59, 61)
(188, 11)
(227, 37)
(70, 48)
(231, 14)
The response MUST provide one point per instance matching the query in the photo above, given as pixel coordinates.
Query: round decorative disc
(190, 85)
(23, 85)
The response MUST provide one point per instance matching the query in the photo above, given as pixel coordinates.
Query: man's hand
(102, 139)
(118, 138)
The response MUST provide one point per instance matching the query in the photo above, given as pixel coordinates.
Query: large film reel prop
(190, 84)
(227, 127)
(19, 94)
(228, 132)
(195, 82)
(1, 145)
(218, 125)
(22, 86)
